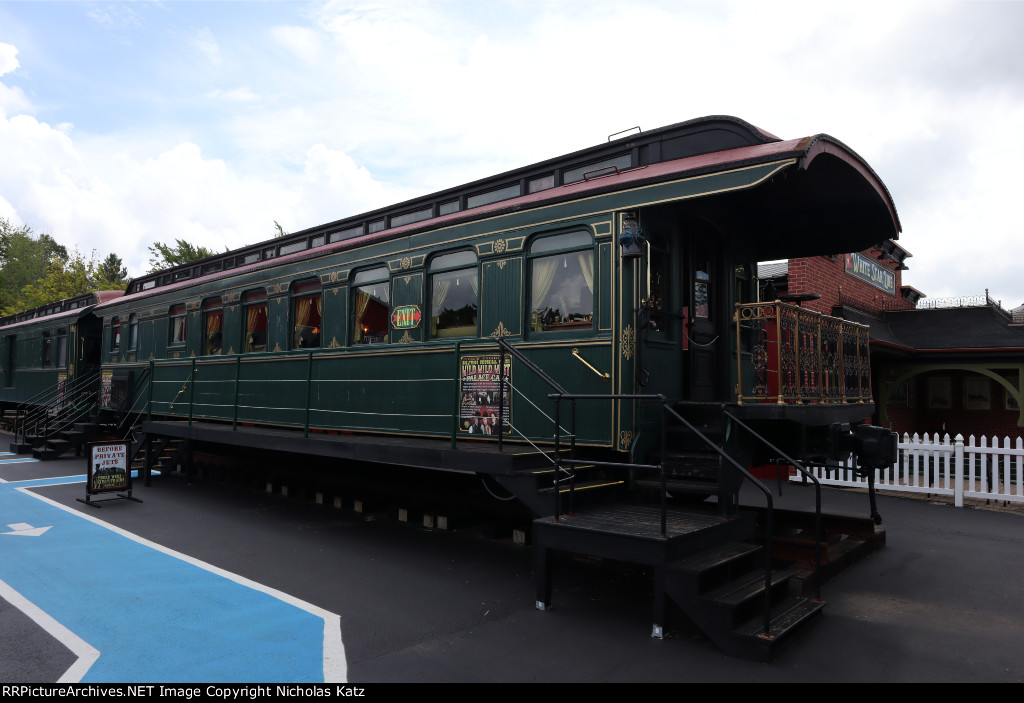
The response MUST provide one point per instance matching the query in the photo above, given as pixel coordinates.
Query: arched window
(115, 333)
(177, 329)
(454, 295)
(370, 305)
(62, 347)
(562, 282)
(133, 331)
(307, 314)
(255, 307)
(213, 326)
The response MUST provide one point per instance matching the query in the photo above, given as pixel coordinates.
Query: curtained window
(178, 326)
(213, 326)
(454, 294)
(371, 305)
(133, 331)
(47, 350)
(562, 282)
(115, 333)
(307, 312)
(62, 348)
(255, 310)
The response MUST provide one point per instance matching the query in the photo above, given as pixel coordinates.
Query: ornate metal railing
(799, 356)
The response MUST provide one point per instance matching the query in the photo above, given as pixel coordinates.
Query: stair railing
(807, 474)
(562, 475)
(46, 405)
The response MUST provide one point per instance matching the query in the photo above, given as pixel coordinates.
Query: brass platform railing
(799, 356)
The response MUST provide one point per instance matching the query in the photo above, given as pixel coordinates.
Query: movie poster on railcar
(107, 469)
(480, 389)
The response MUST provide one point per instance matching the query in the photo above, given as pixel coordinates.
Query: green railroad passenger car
(627, 268)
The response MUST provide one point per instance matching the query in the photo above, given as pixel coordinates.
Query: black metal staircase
(713, 561)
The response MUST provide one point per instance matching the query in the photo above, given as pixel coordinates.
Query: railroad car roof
(847, 183)
(12, 322)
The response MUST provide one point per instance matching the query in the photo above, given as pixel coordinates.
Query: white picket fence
(944, 466)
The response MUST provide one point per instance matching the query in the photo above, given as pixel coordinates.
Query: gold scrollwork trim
(625, 439)
(334, 343)
(501, 331)
(407, 262)
(406, 338)
(628, 342)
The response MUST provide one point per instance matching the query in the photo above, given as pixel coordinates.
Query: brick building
(937, 366)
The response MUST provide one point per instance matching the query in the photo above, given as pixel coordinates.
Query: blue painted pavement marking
(152, 613)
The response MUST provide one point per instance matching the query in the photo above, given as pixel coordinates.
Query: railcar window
(115, 334)
(47, 350)
(346, 233)
(562, 284)
(657, 282)
(177, 329)
(255, 321)
(375, 226)
(448, 207)
(133, 331)
(371, 302)
(492, 196)
(409, 217)
(454, 295)
(62, 348)
(307, 312)
(576, 174)
(213, 326)
(543, 183)
(294, 247)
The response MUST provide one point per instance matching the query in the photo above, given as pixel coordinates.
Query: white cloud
(234, 95)
(368, 104)
(8, 58)
(207, 45)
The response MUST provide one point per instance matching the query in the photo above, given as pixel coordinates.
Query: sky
(128, 123)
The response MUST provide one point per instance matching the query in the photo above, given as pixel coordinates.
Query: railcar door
(704, 300)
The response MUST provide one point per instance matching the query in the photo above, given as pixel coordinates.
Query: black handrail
(817, 494)
(768, 515)
(505, 347)
(49, 399)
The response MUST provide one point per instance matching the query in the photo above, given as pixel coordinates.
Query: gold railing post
(777, 306)
(739, 356)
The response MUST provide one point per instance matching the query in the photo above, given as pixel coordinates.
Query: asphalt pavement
(215, 582)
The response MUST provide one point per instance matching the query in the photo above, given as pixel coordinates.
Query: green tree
(163, 256)
(24, 259)
(111, 274)
(280, 230)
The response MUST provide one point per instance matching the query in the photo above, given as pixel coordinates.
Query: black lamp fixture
(631, 239)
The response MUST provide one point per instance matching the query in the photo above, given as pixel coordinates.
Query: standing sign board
(107, 471)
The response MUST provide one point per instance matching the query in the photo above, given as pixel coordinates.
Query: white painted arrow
(26, 530)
